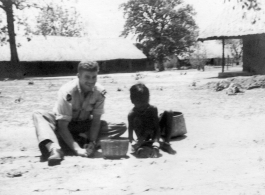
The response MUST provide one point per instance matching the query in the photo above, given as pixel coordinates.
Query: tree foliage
(11, 21)
(249, 7)
(57, 20)
(8, 31)
(248, 4)
(163, 27)
(198, 57)
(3, 30)
(236, 48)
(10, 12)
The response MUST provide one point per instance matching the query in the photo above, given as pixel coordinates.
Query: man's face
(87, 80)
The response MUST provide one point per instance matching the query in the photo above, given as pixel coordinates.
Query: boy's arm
(130, 136)
(156, 125)
(140, 140)
(130, 128)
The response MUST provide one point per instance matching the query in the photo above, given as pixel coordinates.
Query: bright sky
(104, 19)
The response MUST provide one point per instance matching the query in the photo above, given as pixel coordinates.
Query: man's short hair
(139, 93)
(90, 66)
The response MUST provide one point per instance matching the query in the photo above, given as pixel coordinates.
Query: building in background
(248, 25)
(53, 55)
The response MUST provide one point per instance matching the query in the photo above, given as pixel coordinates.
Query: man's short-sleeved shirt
(72, 104)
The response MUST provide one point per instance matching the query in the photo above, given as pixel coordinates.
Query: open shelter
(234, 22)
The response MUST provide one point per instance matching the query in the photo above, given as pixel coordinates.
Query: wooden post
(228, 62)
(223, 61)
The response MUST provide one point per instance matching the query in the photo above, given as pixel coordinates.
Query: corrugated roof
(235, 22)
(54, 48)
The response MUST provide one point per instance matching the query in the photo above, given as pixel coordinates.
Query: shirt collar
(79, 87)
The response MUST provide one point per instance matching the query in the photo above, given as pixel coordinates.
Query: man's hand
(90, 148)
(81, 152)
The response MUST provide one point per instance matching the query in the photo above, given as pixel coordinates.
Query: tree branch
(2, 7)
(16, 5)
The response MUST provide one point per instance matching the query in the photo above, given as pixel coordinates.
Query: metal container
(178, 125)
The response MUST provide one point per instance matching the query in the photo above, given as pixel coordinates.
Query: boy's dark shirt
(144, 123)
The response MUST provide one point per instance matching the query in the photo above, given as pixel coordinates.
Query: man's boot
(56, 156)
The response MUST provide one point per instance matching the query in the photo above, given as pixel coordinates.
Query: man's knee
(43, 114)
(123, 128)
(114, 128)
(104, 123)
(37, 113)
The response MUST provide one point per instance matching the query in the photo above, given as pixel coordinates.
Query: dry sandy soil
(222, 153)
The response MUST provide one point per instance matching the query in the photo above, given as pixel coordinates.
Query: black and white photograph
(132, 97)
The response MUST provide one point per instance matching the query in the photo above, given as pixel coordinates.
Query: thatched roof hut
(234, 22)
(54, 48)
(249, 25)
(53, 55)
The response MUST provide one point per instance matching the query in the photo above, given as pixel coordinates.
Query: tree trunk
(161, 65)
(16, 69)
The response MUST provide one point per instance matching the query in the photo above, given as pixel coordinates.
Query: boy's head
(87, 74)
(139, 94)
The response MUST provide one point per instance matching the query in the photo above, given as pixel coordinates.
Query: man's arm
(68, 138)
(93, 134)
(95, 127)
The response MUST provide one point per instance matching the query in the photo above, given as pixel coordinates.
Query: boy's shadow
(178, 138)
(137, 156)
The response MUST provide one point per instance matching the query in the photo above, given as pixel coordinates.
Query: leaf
(158, 25)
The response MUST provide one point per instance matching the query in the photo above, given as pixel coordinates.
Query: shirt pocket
(89, 107)
(89, 104)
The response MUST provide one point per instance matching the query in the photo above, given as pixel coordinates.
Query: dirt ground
(222, 153)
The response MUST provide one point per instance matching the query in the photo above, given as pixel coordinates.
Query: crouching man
(75, 126)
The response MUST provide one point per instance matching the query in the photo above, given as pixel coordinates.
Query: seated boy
(143, 120)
